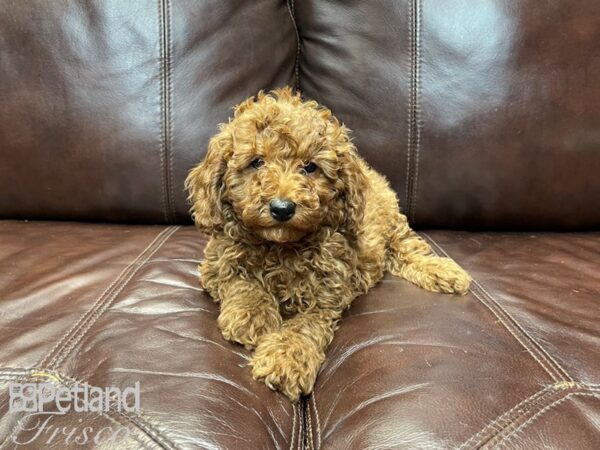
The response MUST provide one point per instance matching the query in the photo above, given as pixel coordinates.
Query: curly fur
(282, 287)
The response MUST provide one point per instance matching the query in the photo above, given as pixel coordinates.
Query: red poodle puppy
(300, 225)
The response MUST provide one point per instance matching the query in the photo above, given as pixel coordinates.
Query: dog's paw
(288, 362)
(449, 277)
(245, 325)
(438, 274)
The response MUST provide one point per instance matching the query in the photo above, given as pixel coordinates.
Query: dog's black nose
(282, 209)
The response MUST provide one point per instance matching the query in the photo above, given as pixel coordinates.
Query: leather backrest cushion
(482, 114)
(104, 106)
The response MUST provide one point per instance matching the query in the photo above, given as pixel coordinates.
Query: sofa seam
(414, 110)
(506, 422)
(165, 108)
(317, 420)
(477, 439)
(170, 110)
(117, 422)
(291, 6)
(161, 140)
(95, 316)
(513, 327)
(43, 362)
(293, 434)
(418, 122)
(558, 367)
(310, 437)
(506, 439)
(301, 425)
(409, 111)
(51, 361)
(521, 341)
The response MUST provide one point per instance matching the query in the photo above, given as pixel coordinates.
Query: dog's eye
(310, 167)
(257, 163)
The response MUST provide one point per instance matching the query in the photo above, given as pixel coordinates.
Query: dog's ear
(352, 172)
(205, 183)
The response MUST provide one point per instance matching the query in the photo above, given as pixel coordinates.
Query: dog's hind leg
(411, 258)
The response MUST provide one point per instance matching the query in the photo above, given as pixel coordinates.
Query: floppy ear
(205, 185)
(352, 173)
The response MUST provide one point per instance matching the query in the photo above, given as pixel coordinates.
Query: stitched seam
(414, 110)
(510, 419)
(77, 338)
(557, 367)
(62, 341)
(552, 361)
(504, 419)
(292, 10)
(314, 403)
(310, 438)
(293, 436)
(84, 317)
(520, 339)
(86, 321)
(162, 137)
(169, 108)
(149, 430)
(504, 441)
(12, 372)
(301, 432)
(409, 110)
(417, 110)
(509, 323)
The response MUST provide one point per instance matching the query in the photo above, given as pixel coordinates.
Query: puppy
(299, 226)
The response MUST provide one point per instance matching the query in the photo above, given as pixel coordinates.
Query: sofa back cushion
(104, 106)
(483, 114)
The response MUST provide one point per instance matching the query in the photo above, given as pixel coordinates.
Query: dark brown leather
(482, 116)
(104, 106)
(514, 363)
(110, 305)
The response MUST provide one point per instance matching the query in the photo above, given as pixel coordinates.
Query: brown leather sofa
(484, 115)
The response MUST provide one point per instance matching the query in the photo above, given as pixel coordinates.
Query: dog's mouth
(265, 226)
(281, 234)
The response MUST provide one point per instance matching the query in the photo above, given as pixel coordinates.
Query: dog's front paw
(245, 324)
(287, 361)
(451, 278)
(438, 274)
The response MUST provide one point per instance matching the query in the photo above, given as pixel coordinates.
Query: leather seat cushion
(515, 362)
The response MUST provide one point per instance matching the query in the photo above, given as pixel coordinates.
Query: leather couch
(485, 116)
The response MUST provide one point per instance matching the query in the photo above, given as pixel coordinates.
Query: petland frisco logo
(42, 397)
(43, 402)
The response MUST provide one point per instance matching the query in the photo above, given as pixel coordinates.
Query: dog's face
(281, 167)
